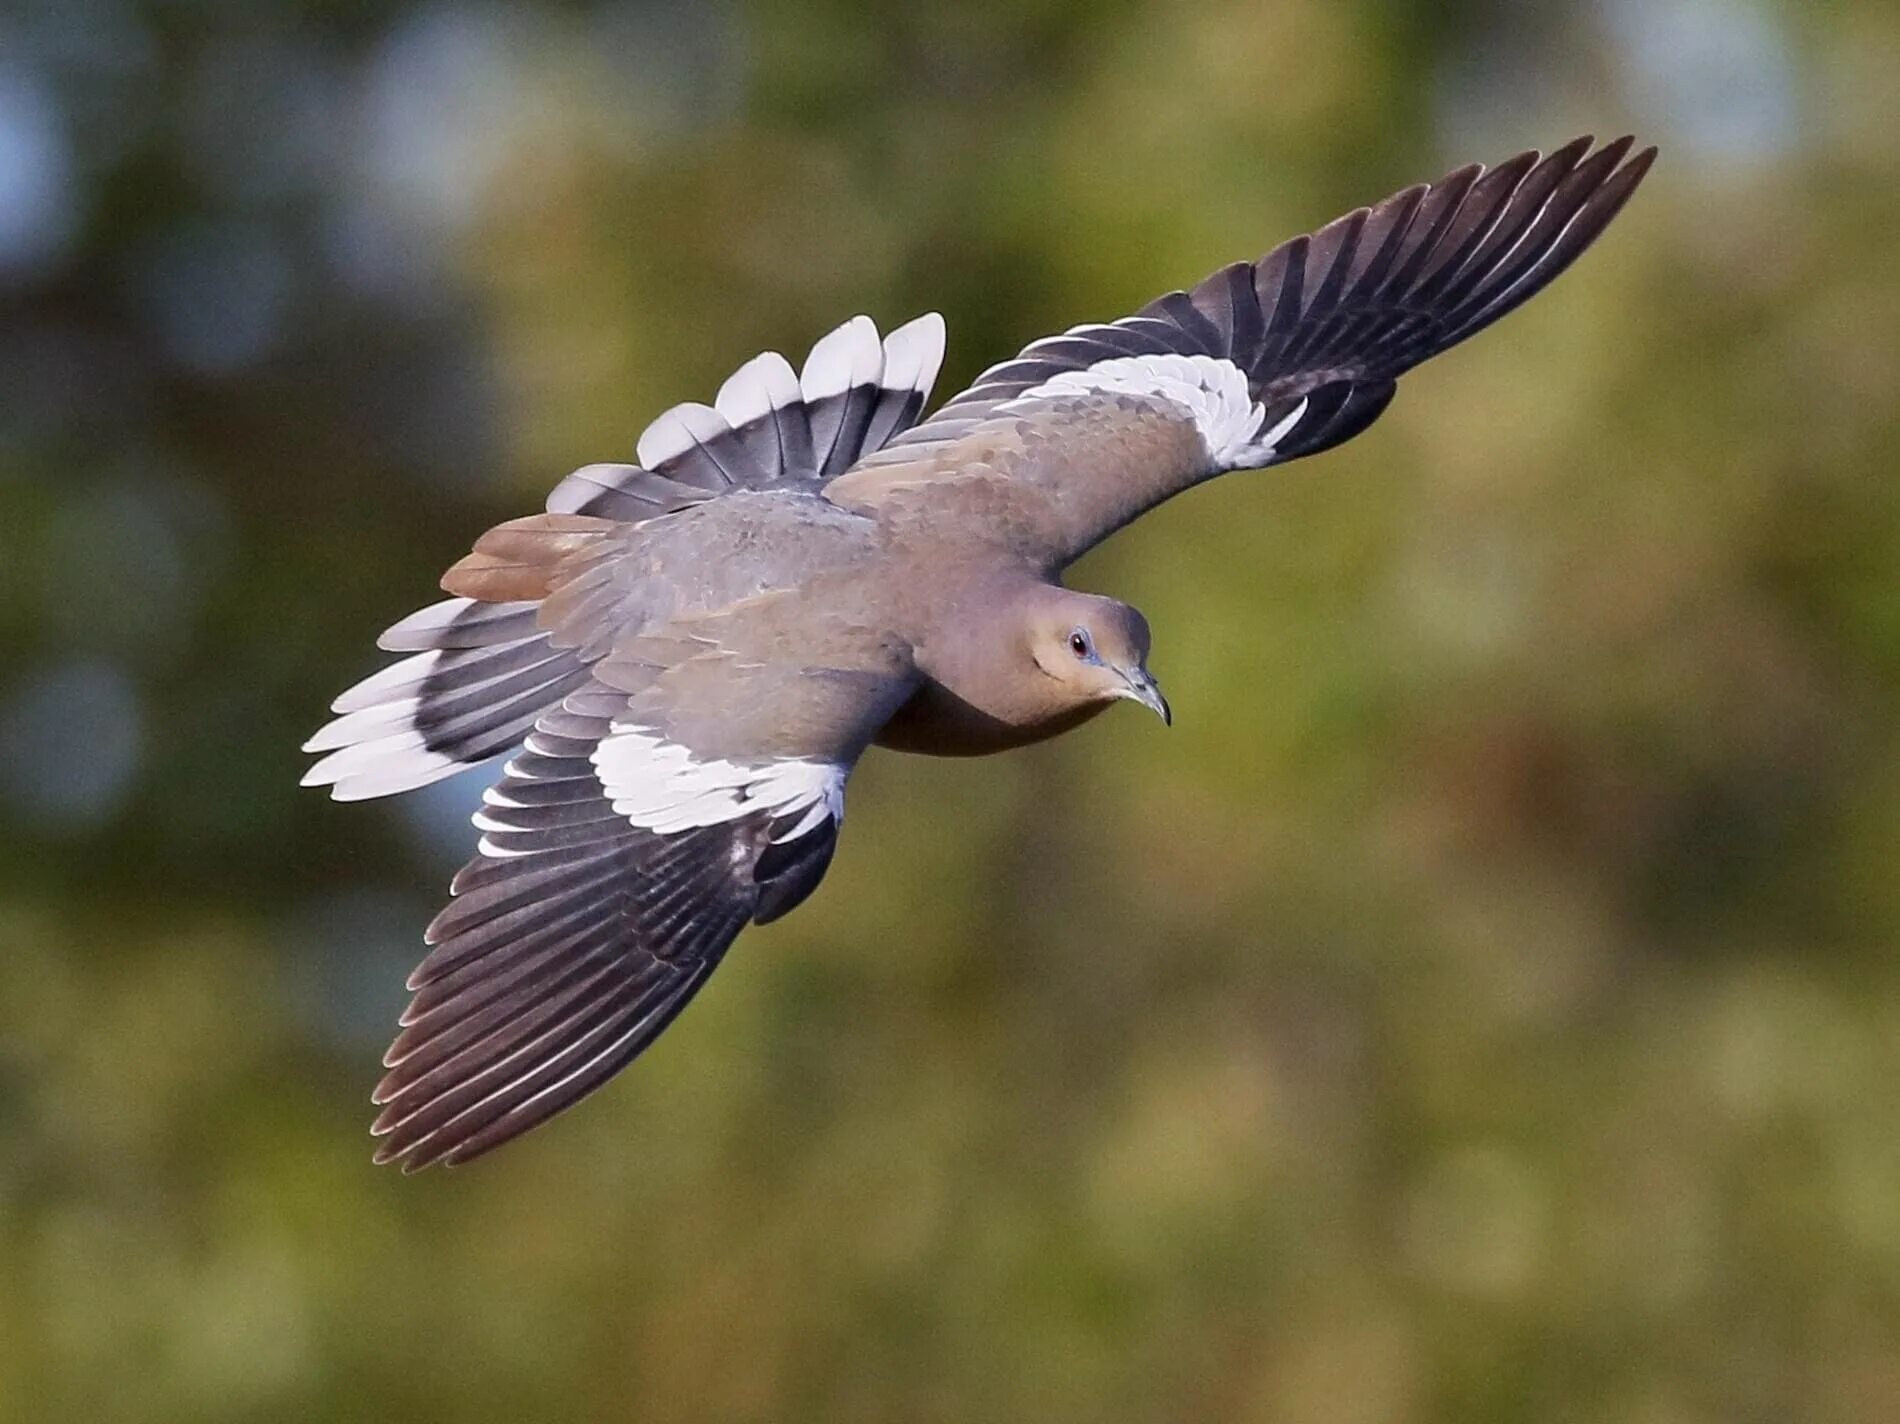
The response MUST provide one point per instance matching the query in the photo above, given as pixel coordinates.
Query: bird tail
(771, 428)
(483, 671)
(478, 676)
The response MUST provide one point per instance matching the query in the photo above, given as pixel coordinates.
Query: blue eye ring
(1080, 645)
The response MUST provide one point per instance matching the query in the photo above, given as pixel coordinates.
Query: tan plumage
(687, 656)
(525, 558)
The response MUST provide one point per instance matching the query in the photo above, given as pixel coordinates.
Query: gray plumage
(687, 655)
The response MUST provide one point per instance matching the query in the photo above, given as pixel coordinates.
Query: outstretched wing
(1260, 364)
(693, 785)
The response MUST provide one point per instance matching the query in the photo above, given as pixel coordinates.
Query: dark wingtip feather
(1435, 264)
(1640, 164)
(1461, 178)
(1569, 153)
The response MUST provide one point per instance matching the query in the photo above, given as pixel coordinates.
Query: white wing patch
(661, 786)
(1213, 391)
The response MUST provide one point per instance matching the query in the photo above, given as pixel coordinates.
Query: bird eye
(1079, 643)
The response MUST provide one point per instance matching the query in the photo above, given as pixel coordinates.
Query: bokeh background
(1484, 1005)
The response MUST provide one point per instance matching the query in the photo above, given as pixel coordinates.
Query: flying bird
(686, 656)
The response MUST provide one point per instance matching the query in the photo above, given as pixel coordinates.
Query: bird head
(1096, 648)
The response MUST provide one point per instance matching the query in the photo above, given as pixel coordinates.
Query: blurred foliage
(1484, 1005)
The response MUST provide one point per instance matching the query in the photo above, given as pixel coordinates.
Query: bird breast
(938, 722)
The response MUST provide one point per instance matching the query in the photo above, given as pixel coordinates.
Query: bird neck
(979, 652)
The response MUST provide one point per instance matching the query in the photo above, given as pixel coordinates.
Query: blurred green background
(1484, 1005)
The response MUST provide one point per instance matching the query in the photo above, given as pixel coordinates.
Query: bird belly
(937, 722)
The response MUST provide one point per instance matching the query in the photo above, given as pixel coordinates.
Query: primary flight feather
(687, 655)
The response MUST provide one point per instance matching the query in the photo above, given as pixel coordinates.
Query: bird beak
(1142, 689)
